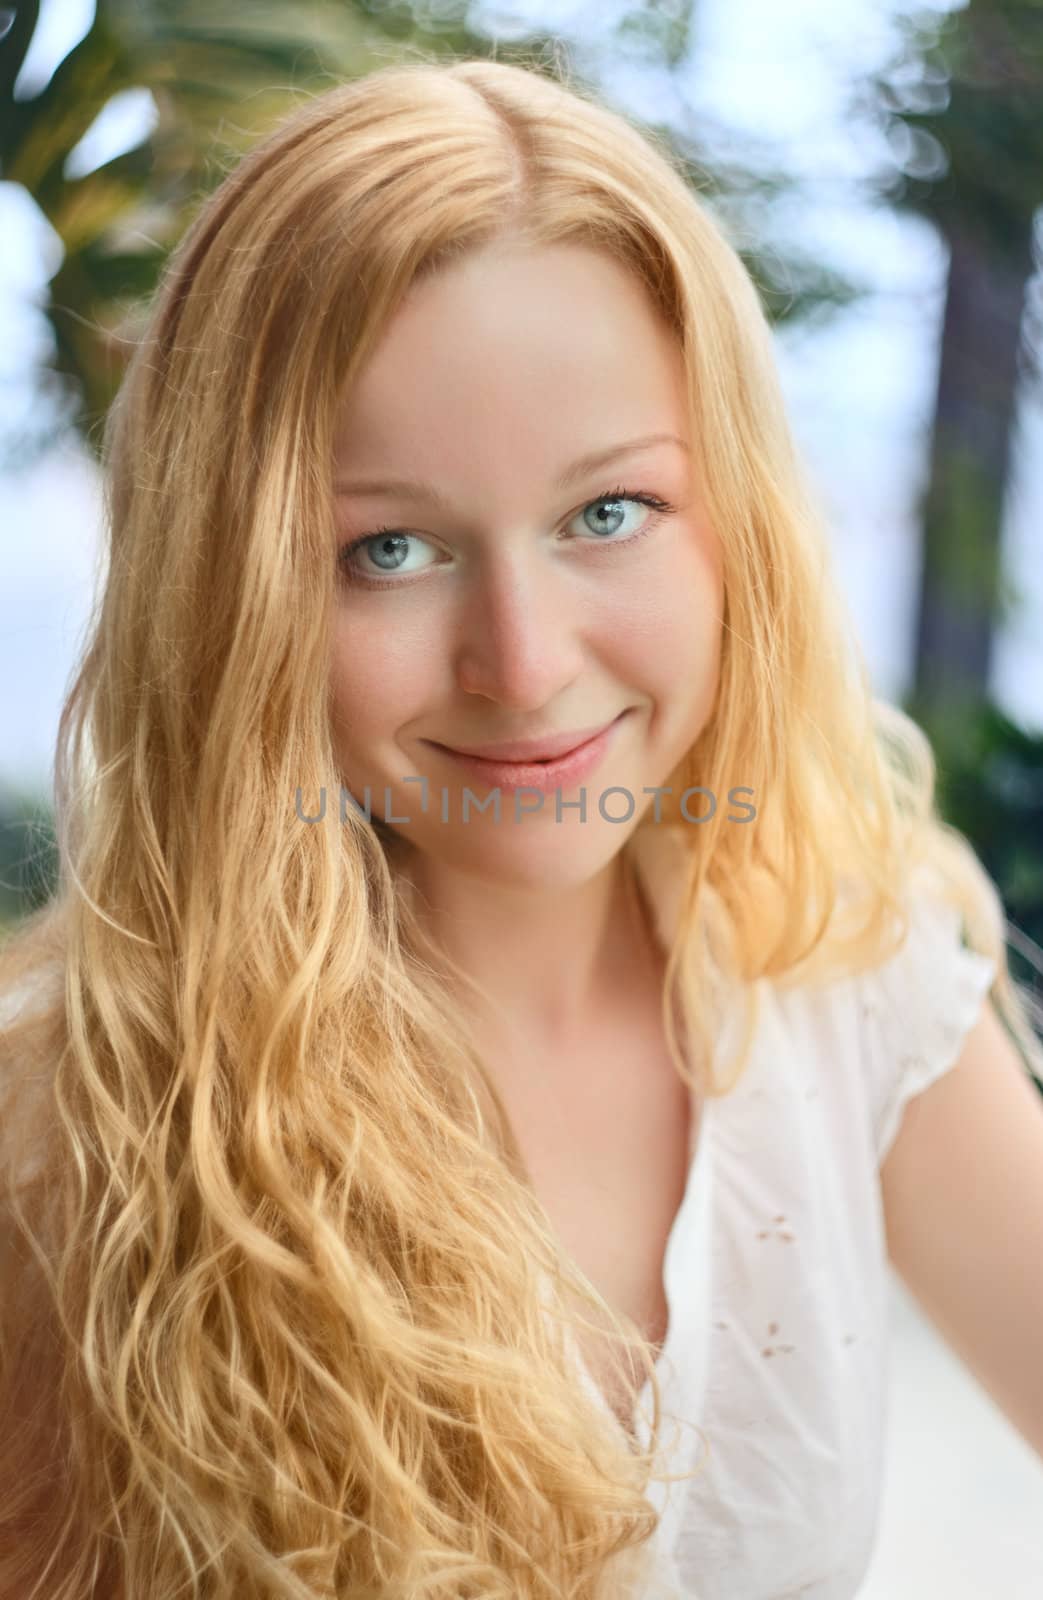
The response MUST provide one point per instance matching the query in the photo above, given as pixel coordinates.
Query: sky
(859, 388)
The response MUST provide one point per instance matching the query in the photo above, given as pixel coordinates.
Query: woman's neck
(550, 961)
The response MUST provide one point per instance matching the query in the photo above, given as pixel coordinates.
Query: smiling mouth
(544, 772)
(527, 752)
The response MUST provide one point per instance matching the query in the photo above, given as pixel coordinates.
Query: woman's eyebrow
(416, 489)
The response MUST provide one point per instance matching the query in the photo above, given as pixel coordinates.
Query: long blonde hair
(274, 1313)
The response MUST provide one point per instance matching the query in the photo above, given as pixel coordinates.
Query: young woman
(458, 1106)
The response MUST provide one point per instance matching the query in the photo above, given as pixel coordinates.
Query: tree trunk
(970, 462)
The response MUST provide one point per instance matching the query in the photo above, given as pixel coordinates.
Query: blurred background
(879, 165)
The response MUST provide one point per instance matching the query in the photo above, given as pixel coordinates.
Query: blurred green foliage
(990, 786)
(28, 855)
(220, 74)
(961, 106)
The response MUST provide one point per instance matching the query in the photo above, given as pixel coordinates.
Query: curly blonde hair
(274, 1318)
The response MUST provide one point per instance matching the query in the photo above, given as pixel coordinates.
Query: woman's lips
(545, 776)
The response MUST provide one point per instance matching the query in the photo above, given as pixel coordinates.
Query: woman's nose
(519, 633)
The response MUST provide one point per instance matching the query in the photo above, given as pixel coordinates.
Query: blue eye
(389, 548)
(611, 503)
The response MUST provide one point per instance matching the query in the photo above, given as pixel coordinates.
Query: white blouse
(775, 1270)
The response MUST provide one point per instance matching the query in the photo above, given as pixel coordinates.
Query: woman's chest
(605, 1141)
(793, 1322)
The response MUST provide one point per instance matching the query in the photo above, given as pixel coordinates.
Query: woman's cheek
(382, 672)
(662, 624)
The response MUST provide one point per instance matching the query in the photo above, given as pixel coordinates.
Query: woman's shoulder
(887, 1014)
(896, 1020)
(917, 1005)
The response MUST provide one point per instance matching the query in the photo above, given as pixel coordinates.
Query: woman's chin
(532, 853)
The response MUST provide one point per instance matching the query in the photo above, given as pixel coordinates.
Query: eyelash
(654, 503)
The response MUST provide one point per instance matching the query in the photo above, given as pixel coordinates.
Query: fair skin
(521, 608)
(962, 1190)
(524, 604)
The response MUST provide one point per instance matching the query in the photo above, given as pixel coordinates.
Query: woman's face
(520, 590)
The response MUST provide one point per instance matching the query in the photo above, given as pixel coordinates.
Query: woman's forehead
(557, 351)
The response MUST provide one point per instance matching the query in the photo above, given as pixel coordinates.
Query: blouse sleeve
(918, 1008)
